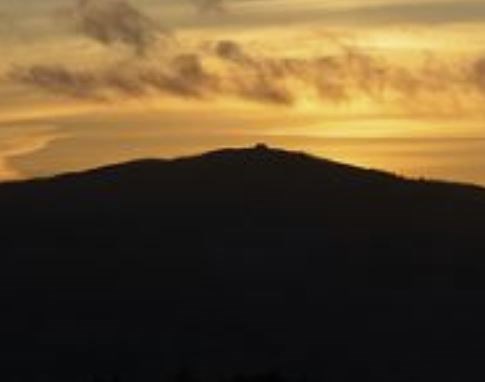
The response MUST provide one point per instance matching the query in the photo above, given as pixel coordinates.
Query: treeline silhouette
(240, 261)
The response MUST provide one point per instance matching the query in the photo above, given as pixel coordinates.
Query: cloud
(255, 77)
(478, 74)
(331, 78)
(182, 76)
(118, 22)
(228, 69)
(417, 12)
(209, 6)
(58, 80)
(354, 74)
(365, 12)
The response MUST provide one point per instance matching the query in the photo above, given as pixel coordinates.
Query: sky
(84, 83)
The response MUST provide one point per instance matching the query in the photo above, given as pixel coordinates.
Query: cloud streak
(210, 6)
(182, 76)
(227, 69)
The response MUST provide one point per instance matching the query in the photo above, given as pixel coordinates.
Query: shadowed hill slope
(242, 260)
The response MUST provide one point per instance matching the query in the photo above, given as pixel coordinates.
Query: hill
(242, 260)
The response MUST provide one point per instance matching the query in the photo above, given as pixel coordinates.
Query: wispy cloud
(478, 74)
(352, 12)
(117, 21)
(228, 69)
(209, 6)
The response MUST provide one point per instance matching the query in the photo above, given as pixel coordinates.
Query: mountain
(241, 260)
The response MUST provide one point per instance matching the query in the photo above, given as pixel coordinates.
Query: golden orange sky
(116, 80)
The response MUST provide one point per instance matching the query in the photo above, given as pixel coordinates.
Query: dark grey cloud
(117, 21)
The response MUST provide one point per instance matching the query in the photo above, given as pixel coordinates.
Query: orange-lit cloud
(211, 6)
(229, 69)
(114, 52)
(116, 21)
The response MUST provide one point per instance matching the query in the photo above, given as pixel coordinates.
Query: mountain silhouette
(242, 260)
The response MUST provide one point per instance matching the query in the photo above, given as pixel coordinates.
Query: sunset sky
(85, 83)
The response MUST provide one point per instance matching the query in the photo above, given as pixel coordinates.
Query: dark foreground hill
(242, 261)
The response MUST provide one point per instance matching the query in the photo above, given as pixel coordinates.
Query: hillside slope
(242, 260)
